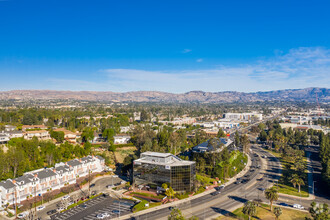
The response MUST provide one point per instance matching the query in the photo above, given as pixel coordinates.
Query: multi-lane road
(234, 195)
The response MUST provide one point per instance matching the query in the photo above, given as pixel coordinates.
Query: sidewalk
(176, 203)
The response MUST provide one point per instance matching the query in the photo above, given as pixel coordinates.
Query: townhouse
(39, 182)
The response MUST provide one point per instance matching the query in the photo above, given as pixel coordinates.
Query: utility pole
(16, 201)
(89, 182)
(35, 198)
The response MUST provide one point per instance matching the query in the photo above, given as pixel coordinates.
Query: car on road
(51, 212)
(65, 197)
(92, 185)
(215, 193)
(109, 186)
(39, 208)
(283, 204)
(298, 206)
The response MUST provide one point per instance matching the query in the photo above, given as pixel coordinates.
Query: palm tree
(249, 209)
(272, 195)
(277, 212)
(296, 180)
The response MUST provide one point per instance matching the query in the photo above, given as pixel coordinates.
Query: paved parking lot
(96, 206)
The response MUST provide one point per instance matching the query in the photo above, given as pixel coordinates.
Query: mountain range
(307, 95)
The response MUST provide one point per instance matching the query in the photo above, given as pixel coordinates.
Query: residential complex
(154, 168)
(39, 182)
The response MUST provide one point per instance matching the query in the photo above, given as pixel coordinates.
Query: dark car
(215, 193)
(106, 195)
(92, 185)
(93, 193)
(260, 179)
(83, 206)
(171, 208)
(51, 212)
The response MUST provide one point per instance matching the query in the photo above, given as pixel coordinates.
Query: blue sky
(172, 46)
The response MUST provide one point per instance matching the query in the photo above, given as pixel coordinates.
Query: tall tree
(249, 209)
(272, 195)
(277, 212)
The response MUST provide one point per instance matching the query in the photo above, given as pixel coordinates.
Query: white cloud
(299, 68)
(186, 51)
(199, 60)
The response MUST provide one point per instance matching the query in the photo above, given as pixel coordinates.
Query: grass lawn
(286, 187)
(121, 153)
(264, 213)
(141, 205)
(148, 195)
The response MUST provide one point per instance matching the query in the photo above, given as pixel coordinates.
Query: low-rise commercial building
(154, 168)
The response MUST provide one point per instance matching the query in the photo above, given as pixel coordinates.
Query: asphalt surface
(98, 205)
(234, 194)
(100, 186)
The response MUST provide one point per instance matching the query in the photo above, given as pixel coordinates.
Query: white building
(39, 182)
(121, 139)
(4, 138)
(243, 116)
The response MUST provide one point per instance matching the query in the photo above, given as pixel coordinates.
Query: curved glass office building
(158, 168)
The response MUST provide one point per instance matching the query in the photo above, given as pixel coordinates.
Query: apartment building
(39, 182)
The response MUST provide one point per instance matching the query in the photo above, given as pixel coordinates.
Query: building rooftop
(7, 184)
(165, 159)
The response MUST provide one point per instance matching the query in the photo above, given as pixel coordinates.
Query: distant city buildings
(212, 145)
(243, 116)
(39, 182)
(154, 168)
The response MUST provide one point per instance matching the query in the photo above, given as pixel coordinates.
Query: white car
(70, 203)
(60, 209)
(106, 215)
(65, 197)
(39, 208)
(298, 206)
(22, 215)
(100, 216)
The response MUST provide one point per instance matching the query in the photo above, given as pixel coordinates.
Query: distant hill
(308, 95)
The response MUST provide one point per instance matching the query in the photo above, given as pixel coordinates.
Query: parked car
(93, 193)
(83, 206)
(298, 206)
(51, 212)
(65, 197)
(116, 211)
(70, 203)
(109, 186)
(39, 208)
(100, 216)
(60, 209)
(22, 215)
